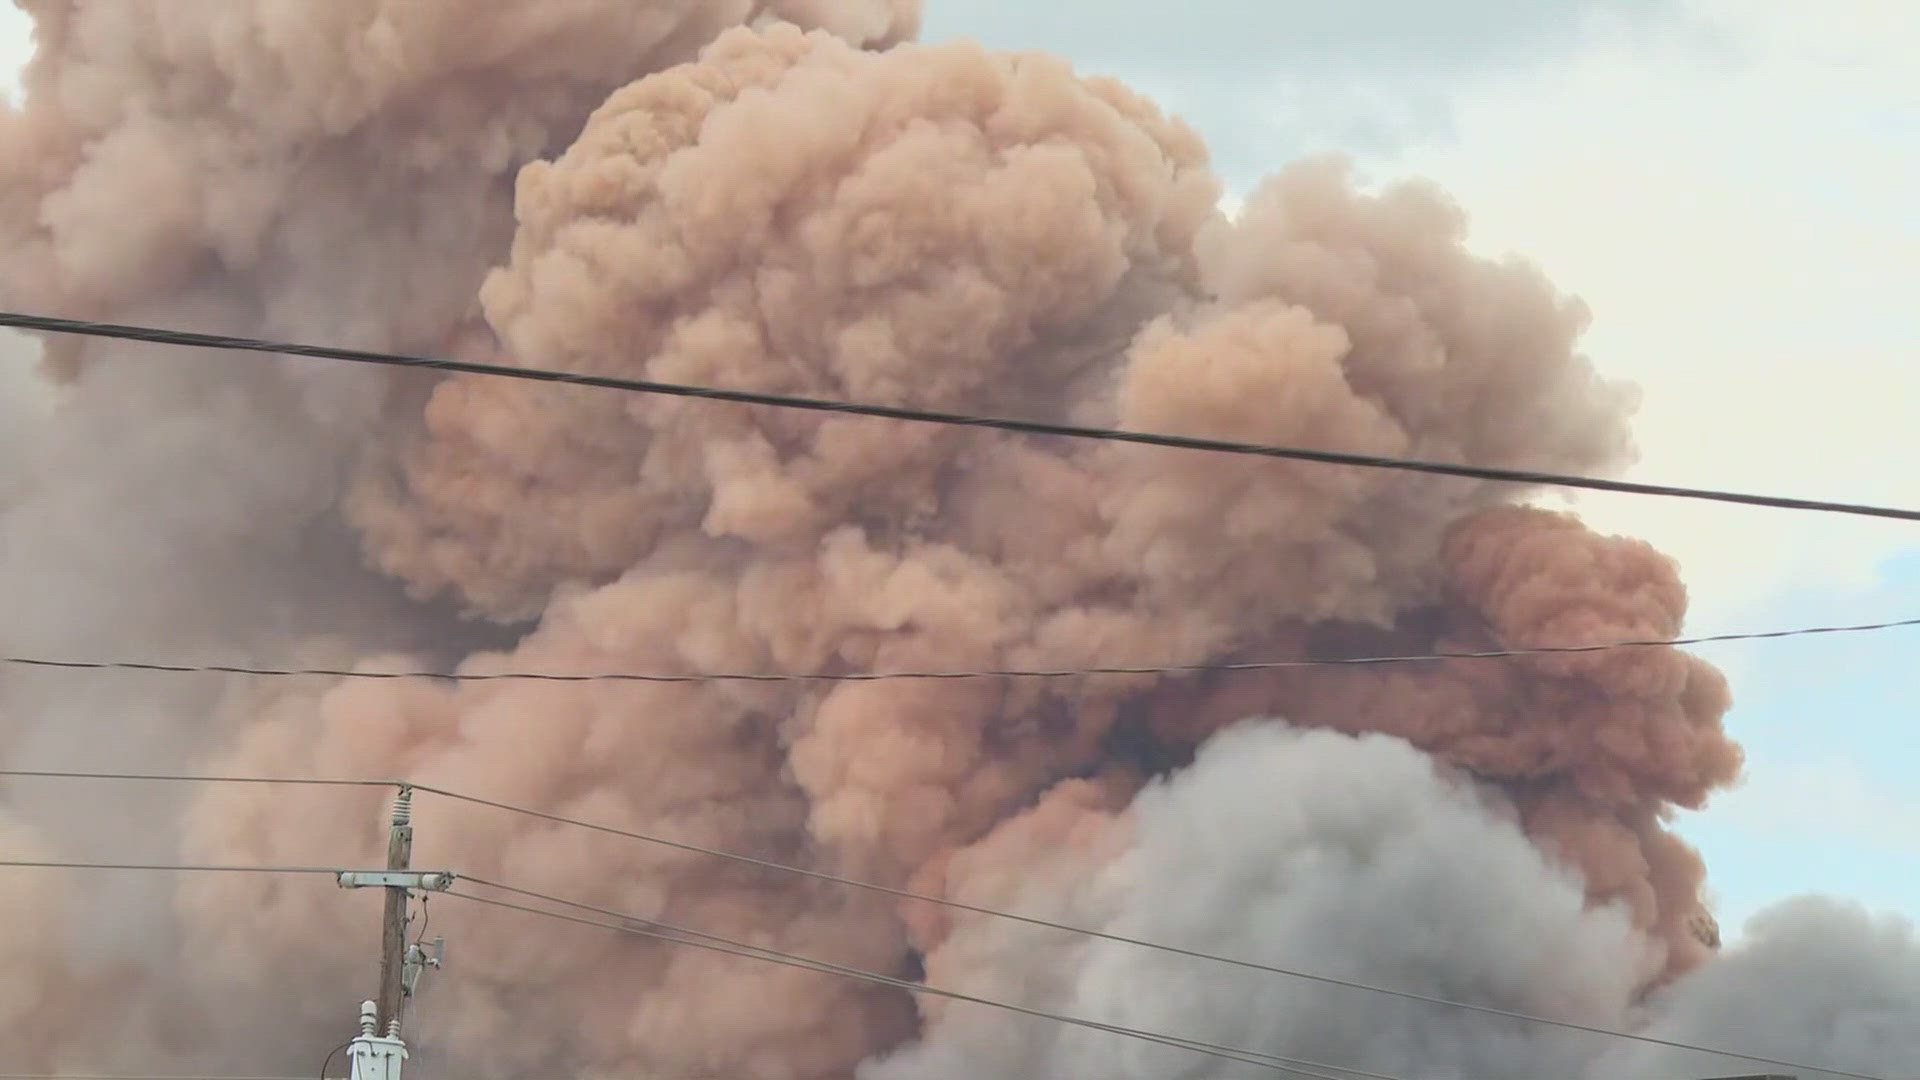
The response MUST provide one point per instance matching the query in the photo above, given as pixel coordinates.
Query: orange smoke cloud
(1594, 748)
(834, 214)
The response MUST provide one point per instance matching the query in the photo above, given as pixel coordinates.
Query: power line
(327, 1062)
(157, 336)
(678, 935)
(60, 774)
(988, 673)
(130, 1076)
(174, 868)
(628, 919)
(1143, 943)
(958, 905)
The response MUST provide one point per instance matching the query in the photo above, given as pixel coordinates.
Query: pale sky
(1729, 185)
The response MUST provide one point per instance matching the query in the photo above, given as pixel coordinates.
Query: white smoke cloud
(1816, 979)
(1355, 858)
(1359, 859)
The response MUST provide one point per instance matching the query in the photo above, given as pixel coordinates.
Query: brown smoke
(362, 149)
(945, 227)
(337, 171)
(1594, 747)
(952, 228)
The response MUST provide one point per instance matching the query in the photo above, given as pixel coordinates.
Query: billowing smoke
(1358, 859)
(1352, 858)
(791, 197)
(1819, 980)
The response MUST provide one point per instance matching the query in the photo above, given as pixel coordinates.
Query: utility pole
(393, 928)
(379, 1052)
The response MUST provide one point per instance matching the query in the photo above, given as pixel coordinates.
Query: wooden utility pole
(393, 929)
(380, 1053)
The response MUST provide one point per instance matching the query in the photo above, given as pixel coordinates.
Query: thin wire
(177, 868)
(1252, 965)
(157, 336)
(140, 1076)
(990, 673)
(683, 936)
(56, 774)
(327, 1062)
(426, 920)
(958, 905)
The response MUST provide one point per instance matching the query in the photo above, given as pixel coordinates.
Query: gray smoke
(1815, 979)
(1354, 858)
(1360, 859)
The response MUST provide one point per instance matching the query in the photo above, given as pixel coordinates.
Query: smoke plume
(1330, 839)
(796, 198)
(1358, 859)
(1819, 979)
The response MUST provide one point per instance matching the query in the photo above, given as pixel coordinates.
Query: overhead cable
(171, 868)
(678, 935)
(139, 1076)
(300, 781)
(1143, 943)
(957, 905)
(988, 673)
(183, 339)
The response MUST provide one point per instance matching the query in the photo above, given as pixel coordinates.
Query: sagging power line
(935, 674)
(167, 868)
(379, 1052)
(158, 336)
(398, 881)
(956, 905)
(142, 1076)
(677, 935)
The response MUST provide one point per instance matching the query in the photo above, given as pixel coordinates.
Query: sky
(1728, 184)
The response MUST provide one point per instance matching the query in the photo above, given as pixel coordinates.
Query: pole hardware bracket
(411, 880)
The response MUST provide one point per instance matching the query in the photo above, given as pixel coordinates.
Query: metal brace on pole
(410, 880)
